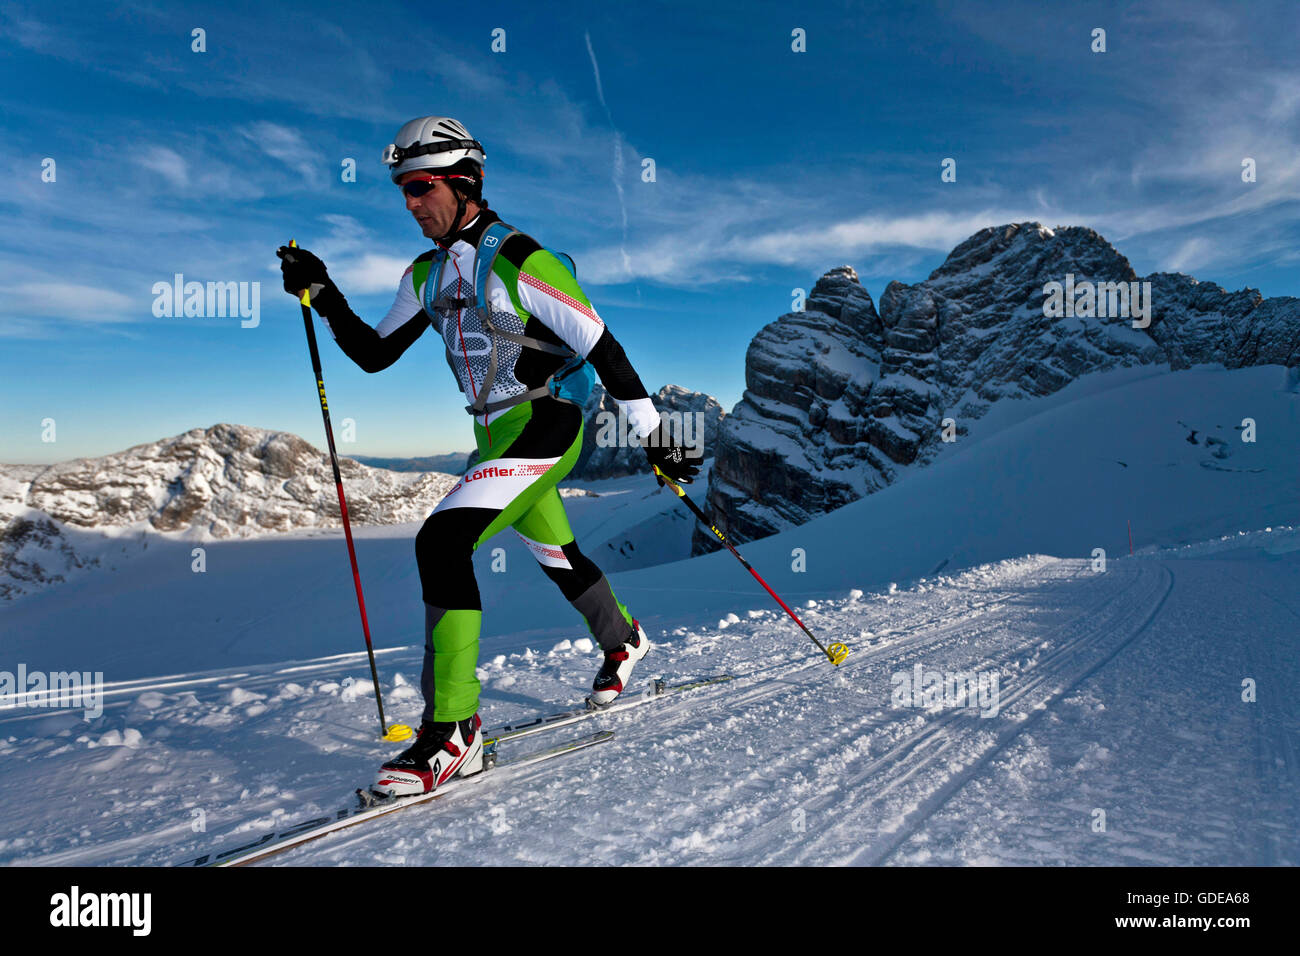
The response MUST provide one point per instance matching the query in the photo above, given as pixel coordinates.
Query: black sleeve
(615, 371)
(360, 342)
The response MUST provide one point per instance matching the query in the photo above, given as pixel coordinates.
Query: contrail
(618, 151)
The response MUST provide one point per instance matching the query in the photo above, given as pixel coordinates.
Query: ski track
(249, 806)
(792, 686)
(1052, 673)
(1156, 737)
(752, 683)
(885, 779)
(1275, 725)
(791, 763)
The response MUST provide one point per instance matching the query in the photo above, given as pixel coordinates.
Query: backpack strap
(489, 245)
(485, 255)
(432, 283)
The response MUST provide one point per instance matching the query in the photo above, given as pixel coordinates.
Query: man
(528, 437)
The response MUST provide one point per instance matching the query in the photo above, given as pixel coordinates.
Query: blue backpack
(571, 382)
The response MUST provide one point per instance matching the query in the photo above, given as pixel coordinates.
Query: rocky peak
(596, 462)
(840, 397)
(220, 481)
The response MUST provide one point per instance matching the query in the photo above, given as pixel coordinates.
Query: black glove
(302, 270)
(669, 455)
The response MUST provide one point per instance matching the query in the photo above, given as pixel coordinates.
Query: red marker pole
(1130, 537)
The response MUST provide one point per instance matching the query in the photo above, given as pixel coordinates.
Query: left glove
(669, 456)
(302, 270)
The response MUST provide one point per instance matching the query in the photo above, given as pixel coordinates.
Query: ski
(372, 806)
(660, 688)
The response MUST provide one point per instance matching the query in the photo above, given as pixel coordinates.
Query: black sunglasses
(418, 187)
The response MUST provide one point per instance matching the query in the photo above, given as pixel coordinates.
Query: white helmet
(431, 142)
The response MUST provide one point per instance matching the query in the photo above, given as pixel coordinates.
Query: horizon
(322, 447)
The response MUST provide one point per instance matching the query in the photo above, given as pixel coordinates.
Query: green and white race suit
(525, 450)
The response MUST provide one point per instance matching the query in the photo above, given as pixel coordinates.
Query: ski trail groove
(917, 751)
(875, 855)
(1277, 774)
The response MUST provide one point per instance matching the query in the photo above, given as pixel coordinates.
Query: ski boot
(440, 751)
(617, 669)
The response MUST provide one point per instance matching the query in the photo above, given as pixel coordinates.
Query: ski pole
(397, 731)
(836, 653)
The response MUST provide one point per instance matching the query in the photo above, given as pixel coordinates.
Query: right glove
(302, 270)
(669, 455)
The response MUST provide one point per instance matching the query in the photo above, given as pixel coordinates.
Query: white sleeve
(405, 306)
(563, 310)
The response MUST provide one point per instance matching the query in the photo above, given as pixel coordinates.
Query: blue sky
(772, 167)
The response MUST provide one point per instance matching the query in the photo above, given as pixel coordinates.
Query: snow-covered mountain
(840, 398)
(35, 552)
(596, 463)
(227, 480)
(218, 482)
(235, 481)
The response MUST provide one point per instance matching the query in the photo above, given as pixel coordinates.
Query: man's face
(435, 211)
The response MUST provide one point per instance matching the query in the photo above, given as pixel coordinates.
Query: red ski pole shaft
(305, 301)
(836, 653)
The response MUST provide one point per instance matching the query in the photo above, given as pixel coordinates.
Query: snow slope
(291, 594)
(238, 692)
(1120, 691)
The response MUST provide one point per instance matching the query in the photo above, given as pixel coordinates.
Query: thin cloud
(167, 163)
(33, 35)
(372, 273)
(288, 146)
(617, 172)
(81, 303)
(348, 252)
(1193, 254)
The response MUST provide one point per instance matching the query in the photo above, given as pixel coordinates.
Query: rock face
(604, 456)
(227, 480)
(840, 396)
(35, 553)
(600, 459)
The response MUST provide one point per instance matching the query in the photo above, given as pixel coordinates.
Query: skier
(528, 433)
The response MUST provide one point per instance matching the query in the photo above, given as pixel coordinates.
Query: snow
(239, 696)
